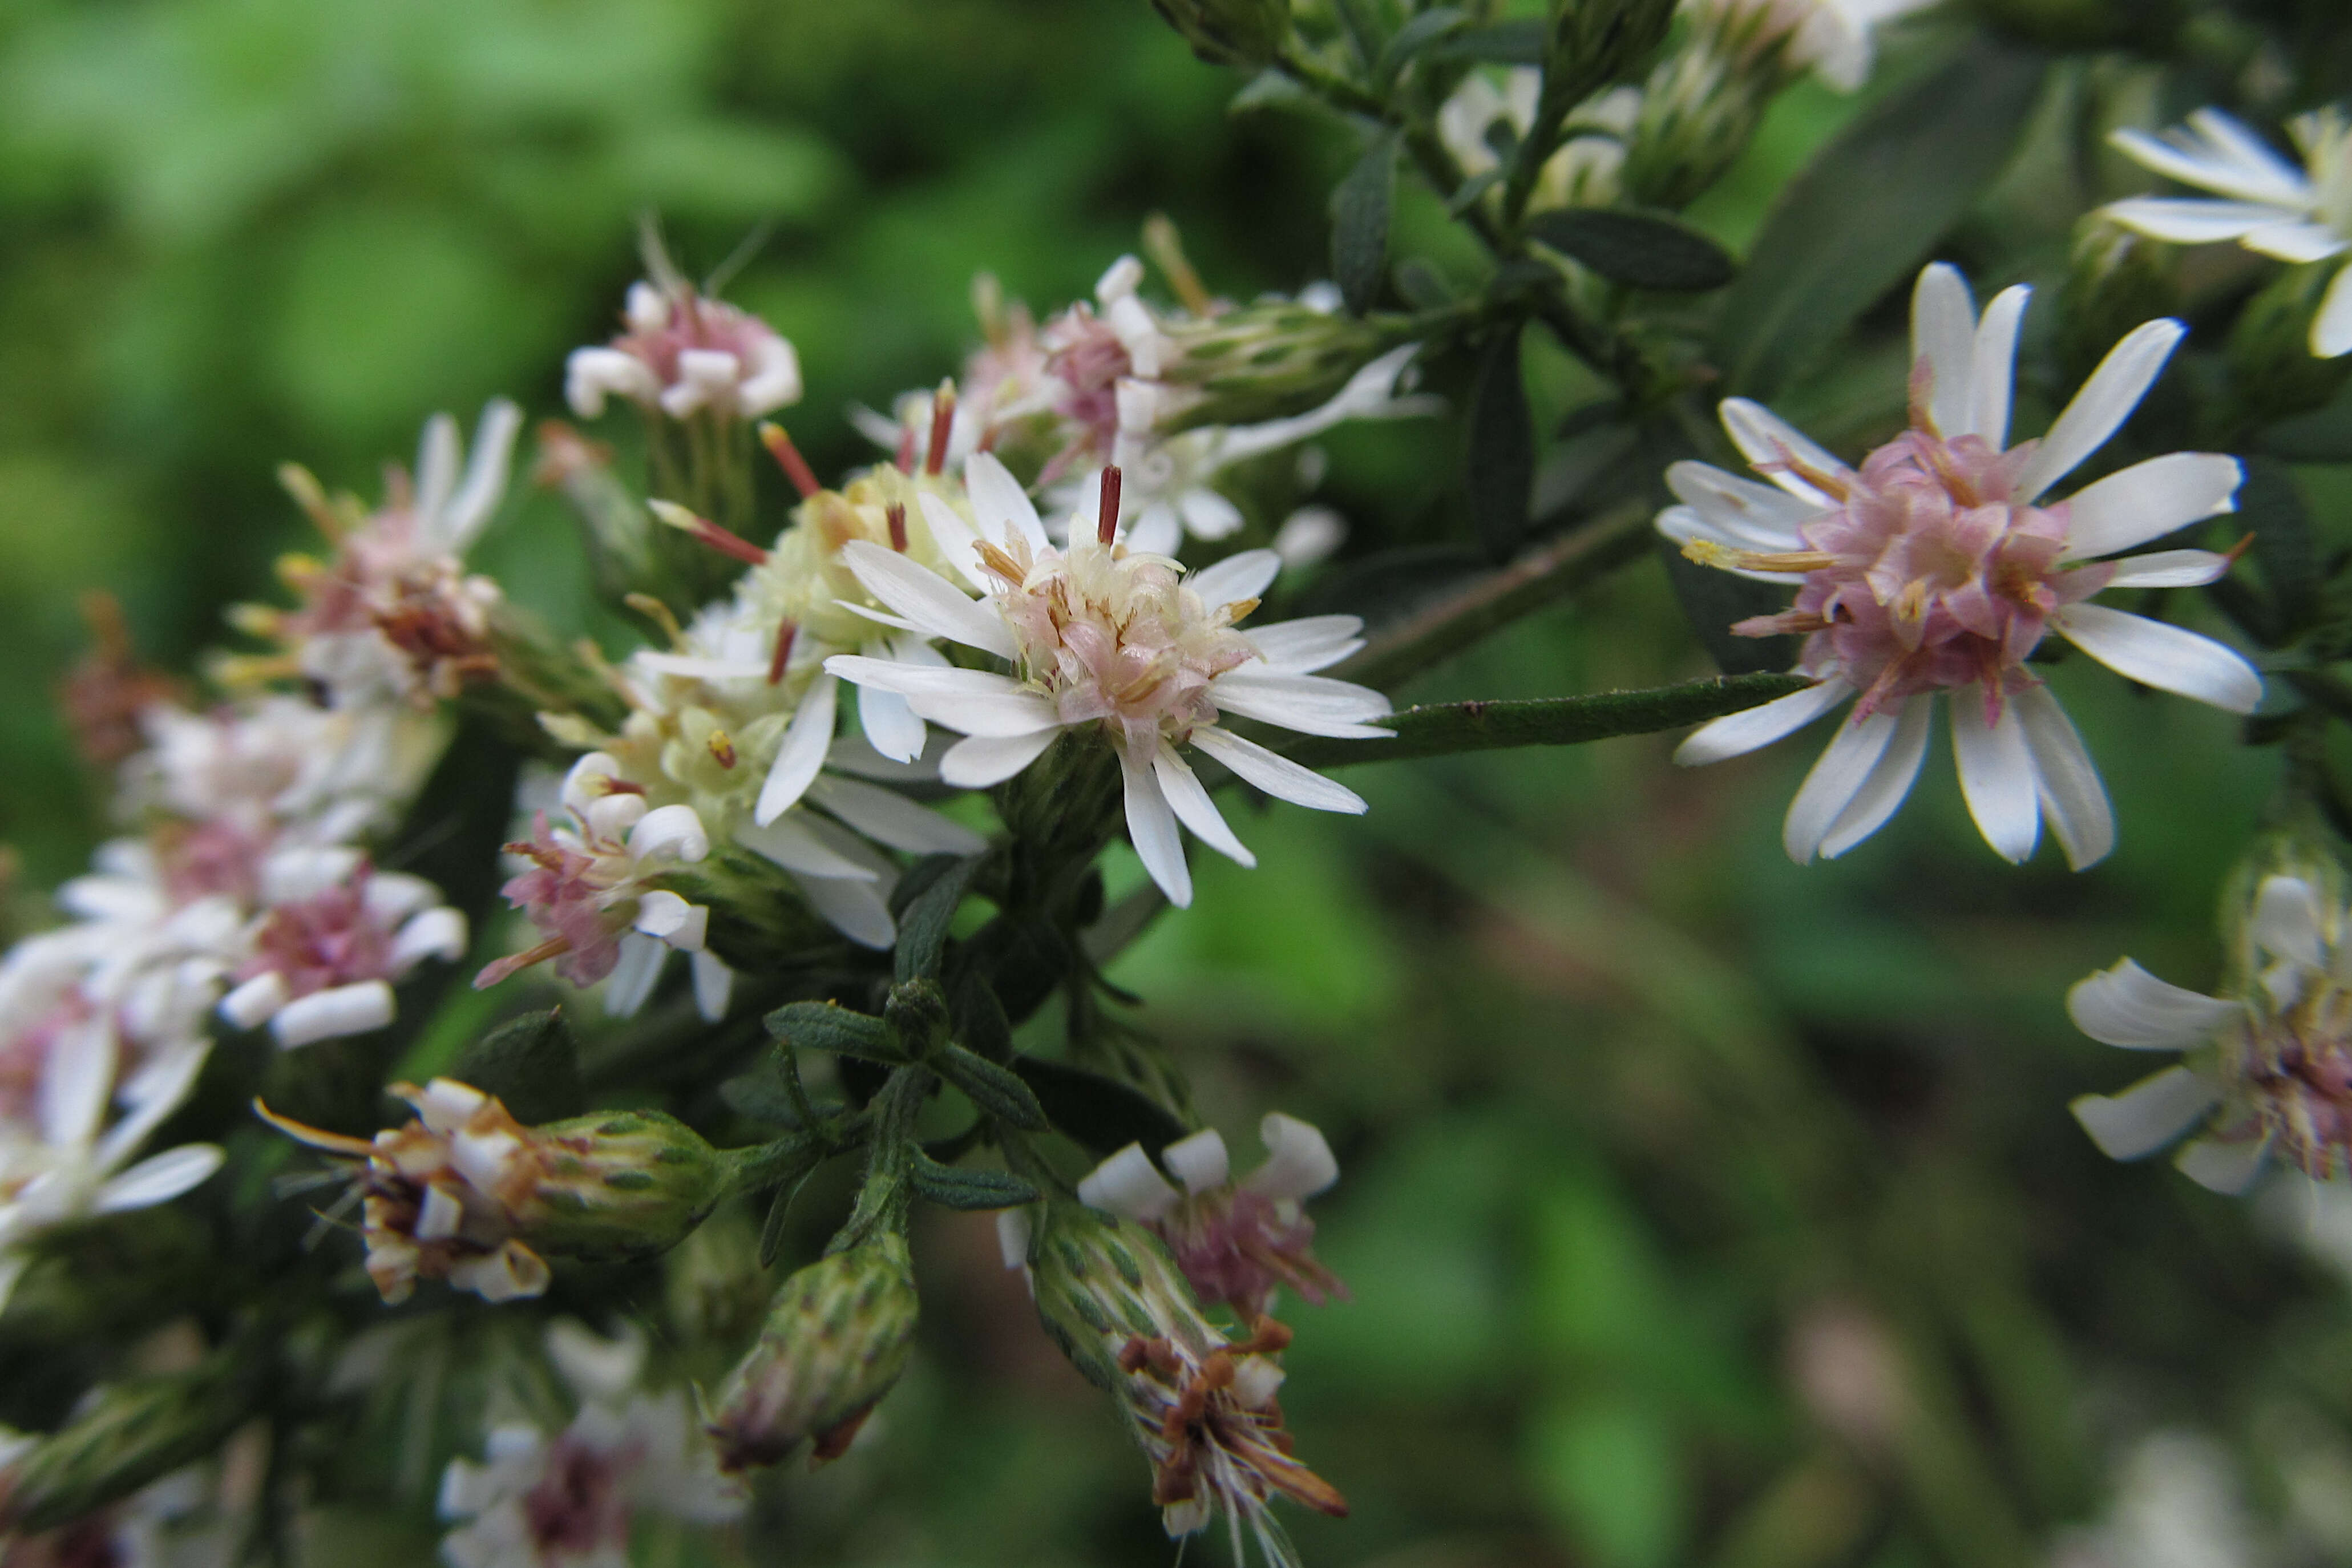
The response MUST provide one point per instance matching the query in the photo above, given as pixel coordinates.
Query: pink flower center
(1930, 574)
(25, 1056)
(2299, 1074)
(1238, 1248)
(578, 1507)
(696, 322)
(328, 940)
(1086, 357)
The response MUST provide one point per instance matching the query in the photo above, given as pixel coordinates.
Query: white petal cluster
(2268, 1072)
(1830, 38)
(1104, 637)
(567, 1499)
(2260, 199)
(684, 354)
(1937, 567)
(1583, 174)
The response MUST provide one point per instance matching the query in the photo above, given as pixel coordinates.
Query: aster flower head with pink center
(1111, 640)
(1237, 1242)
(590, 889)
(1090, 352)
(1937, 568)
(684, 353)
(2266, 1072)
(335, 936)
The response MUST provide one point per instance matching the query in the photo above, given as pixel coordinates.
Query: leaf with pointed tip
(1416, 35)
(829, 1027)
(996, 1090)
(960, 1187)
(923, 925)
(1643, 250)
(1360, 224)
(1102, 1113)
(1515, 43)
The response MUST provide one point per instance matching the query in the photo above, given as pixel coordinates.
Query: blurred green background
(1698, 1208)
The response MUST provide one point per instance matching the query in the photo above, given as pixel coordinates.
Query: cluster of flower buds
(467, 1194)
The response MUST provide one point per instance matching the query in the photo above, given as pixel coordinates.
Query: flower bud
(468, 1194)
(1699, 108)
(127, 1436)
(836, 1338)
(2117, 280)
(1264, 360)
(1590, 43)
(1230, 32)
(2273, 367)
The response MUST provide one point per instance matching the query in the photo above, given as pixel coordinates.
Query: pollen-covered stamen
(788, 458)
(722, 750)
(785, 633)
(943, 407)
(709, 533)
(1707, 553)
(896, 514)
(1107, 515)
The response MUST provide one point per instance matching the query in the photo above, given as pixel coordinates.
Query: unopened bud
(129, 1434)
(2116, 280)
(836, 1338)
(1264, 360)
(1230, 32)
(468, 1194)
(1589, 44)
(1699, 108)
(2273, 366)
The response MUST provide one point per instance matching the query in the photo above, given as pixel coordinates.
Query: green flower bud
(132, 1432)
(1699, 108)
(836, 1339)
(2117, 280)
(2273, 369)
(1591, 43)
(468, 1194)
(1268, 360)
(1230, 32)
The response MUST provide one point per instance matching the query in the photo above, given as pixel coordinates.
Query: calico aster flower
(2267, 1072)
(2264, 203)
(684, 353)
(335, 938)
(1117, 641)
(1937, 567)
(1237, 1242)
(590, 889)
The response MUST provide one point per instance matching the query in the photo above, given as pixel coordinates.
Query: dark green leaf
(962, 1187)
(1416, 35)
(995, 1089)
(2322, 435)
(1471, 189)
(2271, 503)
(532, 1063)
(980, 1025)
(771, 1231)
(1502, 449)
(1517, 43)
(1102, 1113)
(923, 925)
(828, 1026)
(1360, 224)
(1641, 249)
(1445, 728)
(1869, 210)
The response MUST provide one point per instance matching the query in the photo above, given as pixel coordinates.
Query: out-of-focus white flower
(568, 1500)
(337, 934)
(2177, 1504)
(1581, 173)
(1237, 1242)
(2266, 203)
(1830, 38)
(684, 354)
(1118, 640)
(1937, 566)
(2270, 1070)
(1310, 536)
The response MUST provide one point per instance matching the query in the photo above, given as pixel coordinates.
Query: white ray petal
(1151, 827)
(1765, 438)
(790, 843)
(2171, 569)
(1276, 775)
(1129, 1185)
(714, 986)
(2165, 657)
(1889, 782)
(1751, 729)
(969, 701)
(330, 1014)
(1200, 1161)
(1684, 523)
(2105, 401)
(76, 1084)
(2297, 241)
(485, 479)
(2331, 328)
(161, 1086)
(2149, 1115)
(1245, 574)
(1993, 365)
(892, 727)
(1844, 767)
(2191, 220)
(1312, 643)
(1313, 704)
(635, 974)
(1997, 775)
(855, 909)
(985, 760)
(1193, 807)
(2286, 922)
(2073, 798)
(1299, 1161)
(158, 1179)
(888, 817)
(1002, 507)
(1943, 332)
(1207, 514)
(2148, 500)
(932, 603)
(2227, 1168)
(2128, 1007)
(2220, 155)
(436, 466)
(954, 538)
(1757, 516)
(801, 755)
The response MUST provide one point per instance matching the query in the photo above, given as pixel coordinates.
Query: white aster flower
(2265, 202)
(2269, 1072)
(1583, 173)
(1937, 567)
(1110, 638)
(682, 355)
(336, 936)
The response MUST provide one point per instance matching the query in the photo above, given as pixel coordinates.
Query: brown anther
(722, 750)
(943, 403)
(897, 514)
(783, 654)
(1106, 517)
(1216, 1372)
(995, 561)
(1134, 1355)
(788, 458)
(1269, 1337)
(1175, 1482)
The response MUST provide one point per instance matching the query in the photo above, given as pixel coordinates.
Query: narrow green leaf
(1869, 210)
(531, 1062)
(1644, 250)
(1515, 43)
(828, 1026)
(1502, 448)
(1416, 35)
(2271, 503)
(1360, 224)
(1102, 1113)
(962, 1187)
(980, 1025)
(923, 925)
(1443, 729)
(995, 1089)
